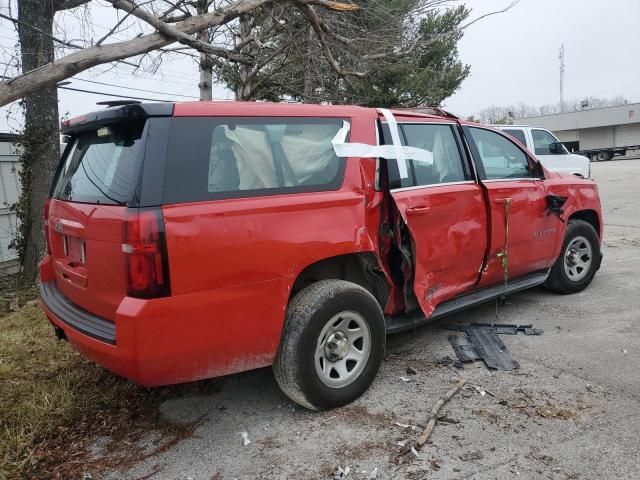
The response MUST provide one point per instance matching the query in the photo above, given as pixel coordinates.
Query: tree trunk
(41, 137)
(244, 88)
(308, 70)
(206, 66)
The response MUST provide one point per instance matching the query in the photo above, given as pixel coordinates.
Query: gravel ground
(570, 411)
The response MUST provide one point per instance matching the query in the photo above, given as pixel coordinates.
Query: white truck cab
(548, 149)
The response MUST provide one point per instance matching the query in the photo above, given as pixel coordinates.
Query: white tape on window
(396, 151)
(395, 139)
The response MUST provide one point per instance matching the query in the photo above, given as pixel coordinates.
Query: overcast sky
(513, 58)
(514, 55)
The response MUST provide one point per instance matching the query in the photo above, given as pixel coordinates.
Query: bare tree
(511, 113)
(41, 140)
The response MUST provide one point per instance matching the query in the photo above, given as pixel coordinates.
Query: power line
(131, 88)
(112, 94)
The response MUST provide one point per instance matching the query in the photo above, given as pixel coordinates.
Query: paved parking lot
(570, 411)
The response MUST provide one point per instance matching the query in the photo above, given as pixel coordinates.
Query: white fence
(9, 193)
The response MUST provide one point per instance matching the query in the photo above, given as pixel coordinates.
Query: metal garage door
(627, 135)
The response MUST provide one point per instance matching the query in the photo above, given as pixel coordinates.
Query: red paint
(448, 224)
(232, 263)
(100, 227)
(528, 250)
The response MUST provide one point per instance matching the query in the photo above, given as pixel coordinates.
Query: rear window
(214, 158)
(519, 134)
(102, 166)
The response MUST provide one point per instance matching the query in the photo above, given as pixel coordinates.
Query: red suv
(192, 240)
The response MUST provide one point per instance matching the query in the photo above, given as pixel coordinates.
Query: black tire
(307, 316)
(558, 280)
(603, 156)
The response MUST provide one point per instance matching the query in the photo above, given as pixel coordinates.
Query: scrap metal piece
(492, 349)
(502, 328)
(483, 343)
(465, 351)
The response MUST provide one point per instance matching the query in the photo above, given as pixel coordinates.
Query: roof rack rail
(118, 103)
(430, 110)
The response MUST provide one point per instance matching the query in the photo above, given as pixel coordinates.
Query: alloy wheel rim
(342, 349)
(578, 257)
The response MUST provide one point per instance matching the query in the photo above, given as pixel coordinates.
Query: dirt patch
(359, 414)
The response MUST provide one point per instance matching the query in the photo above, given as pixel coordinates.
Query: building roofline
(580, 111)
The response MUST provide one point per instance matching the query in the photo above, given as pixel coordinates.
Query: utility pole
(561, 57)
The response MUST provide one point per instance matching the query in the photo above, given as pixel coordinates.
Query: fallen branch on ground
(434, 412)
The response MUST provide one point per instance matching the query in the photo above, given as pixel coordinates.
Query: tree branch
(312, 17)
(178, 35)
(79, 61)
(41, 32)
(60, 5)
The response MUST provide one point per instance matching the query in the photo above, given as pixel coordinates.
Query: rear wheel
(332, 345)
(603, 156)
(579, 260)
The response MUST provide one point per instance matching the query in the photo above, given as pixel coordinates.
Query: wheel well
(589, 216)
(360, 268)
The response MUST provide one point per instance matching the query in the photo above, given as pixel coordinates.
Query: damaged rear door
(444, 210)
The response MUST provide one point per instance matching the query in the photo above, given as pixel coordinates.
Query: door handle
(412, 211)
(502, 201)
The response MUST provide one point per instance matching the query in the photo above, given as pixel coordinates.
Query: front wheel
(332, 345)
(579, 260)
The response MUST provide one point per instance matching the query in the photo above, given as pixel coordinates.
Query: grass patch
(54, 404)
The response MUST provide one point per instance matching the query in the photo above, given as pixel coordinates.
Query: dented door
(522, 230)
(448, 227)
(445, 213)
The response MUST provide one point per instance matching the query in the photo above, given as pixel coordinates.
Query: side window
(542, 141)
(211, 158)
(500, 157)
(517, 134)
(446, 166)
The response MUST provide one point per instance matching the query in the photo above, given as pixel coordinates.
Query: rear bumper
(74, 316)
(96, 338)
(175, 339)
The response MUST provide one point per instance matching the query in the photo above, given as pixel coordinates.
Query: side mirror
(556, 148)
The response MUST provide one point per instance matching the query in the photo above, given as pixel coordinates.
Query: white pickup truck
(548, 149)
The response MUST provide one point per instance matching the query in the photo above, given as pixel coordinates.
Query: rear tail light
(47, 205)
(145, 251)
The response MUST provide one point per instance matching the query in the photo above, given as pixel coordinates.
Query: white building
(598, 129)
(9, 193)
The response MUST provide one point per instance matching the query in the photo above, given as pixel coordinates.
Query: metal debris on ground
(404, 425)
(405, 379)
(447, 360)
(481, 342)
(245, 438)
(374, 474)
(341, 473)
(501, 328)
